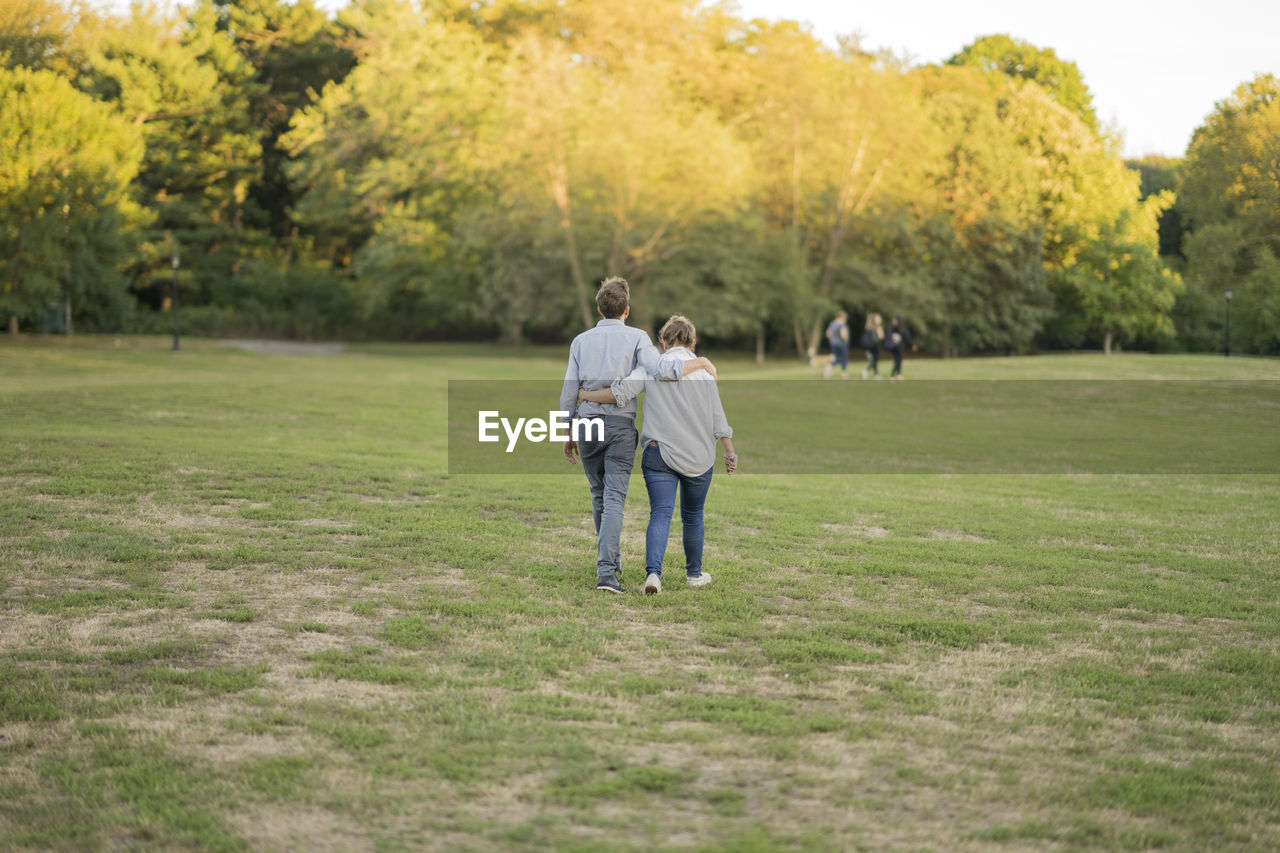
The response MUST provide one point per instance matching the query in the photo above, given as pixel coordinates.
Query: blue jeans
(608, 465)
(661, 481)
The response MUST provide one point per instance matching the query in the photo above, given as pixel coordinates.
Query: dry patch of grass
(274, 826)
(868, 531)
(958, 536)
(24, 480)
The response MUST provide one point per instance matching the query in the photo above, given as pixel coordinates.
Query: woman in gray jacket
(682, 421)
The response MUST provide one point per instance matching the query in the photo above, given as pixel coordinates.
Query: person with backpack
(897, 340)
(838, 337)
(872, 334)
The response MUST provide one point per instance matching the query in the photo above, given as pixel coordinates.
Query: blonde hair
(678, 331)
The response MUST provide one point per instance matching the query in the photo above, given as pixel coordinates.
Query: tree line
(455, 169)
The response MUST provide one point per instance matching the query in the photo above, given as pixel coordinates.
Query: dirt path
(286, 347)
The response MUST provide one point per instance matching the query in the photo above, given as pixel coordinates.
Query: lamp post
(176, 260)
(1226, 343)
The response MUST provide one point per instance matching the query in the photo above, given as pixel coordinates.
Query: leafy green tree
(985, 287)
(1119, 288)
(34, 34)
(740, 279)
(66, 162)
(602, 124)
(834, 139)
(182, 81)
(386, 160)
(656, 166)
(1257, 316)
(1089, 204)
(1230, 200)
(1160, 174)
(547, 98)
(289, 293)
(1196, 313)
(445, 167)
(983, 247)
(511, 246)
(1061, 78)
(295, 50)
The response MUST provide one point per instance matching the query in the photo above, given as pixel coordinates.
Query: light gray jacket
(686, 418)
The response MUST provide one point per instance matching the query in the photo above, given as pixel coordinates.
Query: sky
(1155, 69)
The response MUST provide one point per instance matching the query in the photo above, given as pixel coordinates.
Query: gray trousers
(608, 465)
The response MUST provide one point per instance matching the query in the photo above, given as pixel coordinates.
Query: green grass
(243, 605)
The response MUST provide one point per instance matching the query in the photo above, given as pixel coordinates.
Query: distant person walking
(897, 340)
(838, 337)
(872, 335)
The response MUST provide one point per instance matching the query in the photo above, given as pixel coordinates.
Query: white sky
(1155, 68)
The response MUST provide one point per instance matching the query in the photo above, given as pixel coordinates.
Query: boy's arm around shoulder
(626, 389)
(667, 367)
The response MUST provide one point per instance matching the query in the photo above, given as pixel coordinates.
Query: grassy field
(243, 606)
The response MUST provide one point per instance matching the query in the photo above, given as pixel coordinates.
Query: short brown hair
(678, 331)
(613, 297)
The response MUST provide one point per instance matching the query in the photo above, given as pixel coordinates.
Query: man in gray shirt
(597, 357)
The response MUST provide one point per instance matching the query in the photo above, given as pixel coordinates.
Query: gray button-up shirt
(686, 418)
(610, 351)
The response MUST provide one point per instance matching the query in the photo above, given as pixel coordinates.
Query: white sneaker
(701, 580)
(653, 584)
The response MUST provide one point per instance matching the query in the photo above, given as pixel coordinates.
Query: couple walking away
(874, 338)
(610, 365)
